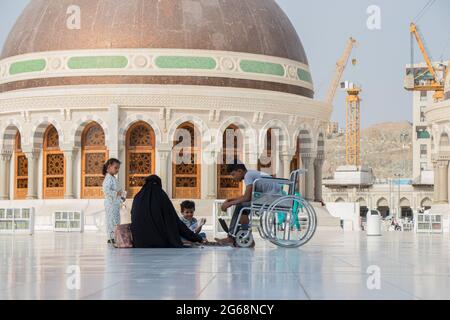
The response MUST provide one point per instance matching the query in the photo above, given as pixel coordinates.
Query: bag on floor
(123, 238)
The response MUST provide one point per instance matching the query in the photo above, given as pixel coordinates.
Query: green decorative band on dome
(154, 62)
(304, 75)
(180, 62)
(27, 66)
(269, 68)
(98, 62)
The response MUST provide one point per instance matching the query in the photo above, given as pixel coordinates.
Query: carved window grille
(21, 171)
(227, 188)
(54, 166)
(296, 162)
(186, 169)
(140, 156)
(93, 155)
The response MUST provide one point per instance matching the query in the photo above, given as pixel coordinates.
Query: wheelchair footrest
(224, 225)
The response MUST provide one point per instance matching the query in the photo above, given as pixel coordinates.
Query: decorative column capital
(6, 155)
(442, 163)
(164, 154)
(286, 156)
(320, 158)
(70, 152)
(308, 155)
(32, 154)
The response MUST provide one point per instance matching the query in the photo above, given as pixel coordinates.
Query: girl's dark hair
(108, 163)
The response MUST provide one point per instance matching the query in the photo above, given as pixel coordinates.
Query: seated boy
(240, 173)
(187, 213)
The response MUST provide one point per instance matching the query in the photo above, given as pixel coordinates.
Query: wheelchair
(286, 219)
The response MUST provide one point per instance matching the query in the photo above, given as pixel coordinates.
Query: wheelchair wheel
(244, 239)
(290, 222)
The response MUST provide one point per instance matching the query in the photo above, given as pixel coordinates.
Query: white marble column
(123, 168)
(318, 164)
(251, 161)
(5, 160)
(212, 176)
(436, 182)
(286, 159)
(308, 162)
(69, 156)
(32, 158)
(113, 132)
(162, 168)
(443, 181)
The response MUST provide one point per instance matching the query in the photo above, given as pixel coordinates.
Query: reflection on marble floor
(333, 266)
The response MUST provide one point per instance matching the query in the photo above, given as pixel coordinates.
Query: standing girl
(113, 196)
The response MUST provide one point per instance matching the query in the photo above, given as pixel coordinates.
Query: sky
(324, 27)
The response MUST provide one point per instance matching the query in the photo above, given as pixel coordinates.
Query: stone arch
(444, 142)
(304, 137)
(8, 137)
(199, 124)
(80, 125)
(362, 201)
(131, 121)
(405, 207)
(284, 139)
(94, 153)
(39, 129)
(140, 146)
(382, 202)
(340, 200)
(249, 133)
(231, 151)
(187, 169)
(383, 207)
(404, 202)
(53, 162)
(426, 203)
(321, 145)
(363, 206)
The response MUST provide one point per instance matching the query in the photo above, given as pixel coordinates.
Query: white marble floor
(333, 266)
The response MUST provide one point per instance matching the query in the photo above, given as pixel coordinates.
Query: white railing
(17, 220)
(68, 221)
(428, 223)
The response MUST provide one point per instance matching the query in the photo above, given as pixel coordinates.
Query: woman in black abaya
(154, 221)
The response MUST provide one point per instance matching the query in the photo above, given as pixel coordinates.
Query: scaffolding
(353, 131)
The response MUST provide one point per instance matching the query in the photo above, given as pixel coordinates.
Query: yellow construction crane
(353, 109)
(353, 129)
(340, 67)
(420, 82)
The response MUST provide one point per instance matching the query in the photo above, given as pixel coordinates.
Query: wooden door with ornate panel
(186, 167)
(20, 171)
(140, 156)
(93, 156)
(296, 162)
(232, 148)
(266, 162)
(53, 166)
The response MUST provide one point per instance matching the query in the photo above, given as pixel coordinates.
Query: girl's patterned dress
(112, 204)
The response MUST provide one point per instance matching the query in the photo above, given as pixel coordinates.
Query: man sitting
(240, 173)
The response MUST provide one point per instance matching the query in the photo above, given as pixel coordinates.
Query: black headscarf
(154, 220)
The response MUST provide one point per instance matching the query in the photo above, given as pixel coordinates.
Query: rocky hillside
(381, 149)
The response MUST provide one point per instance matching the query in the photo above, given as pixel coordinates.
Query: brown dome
(253, 26)
(249, 26)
